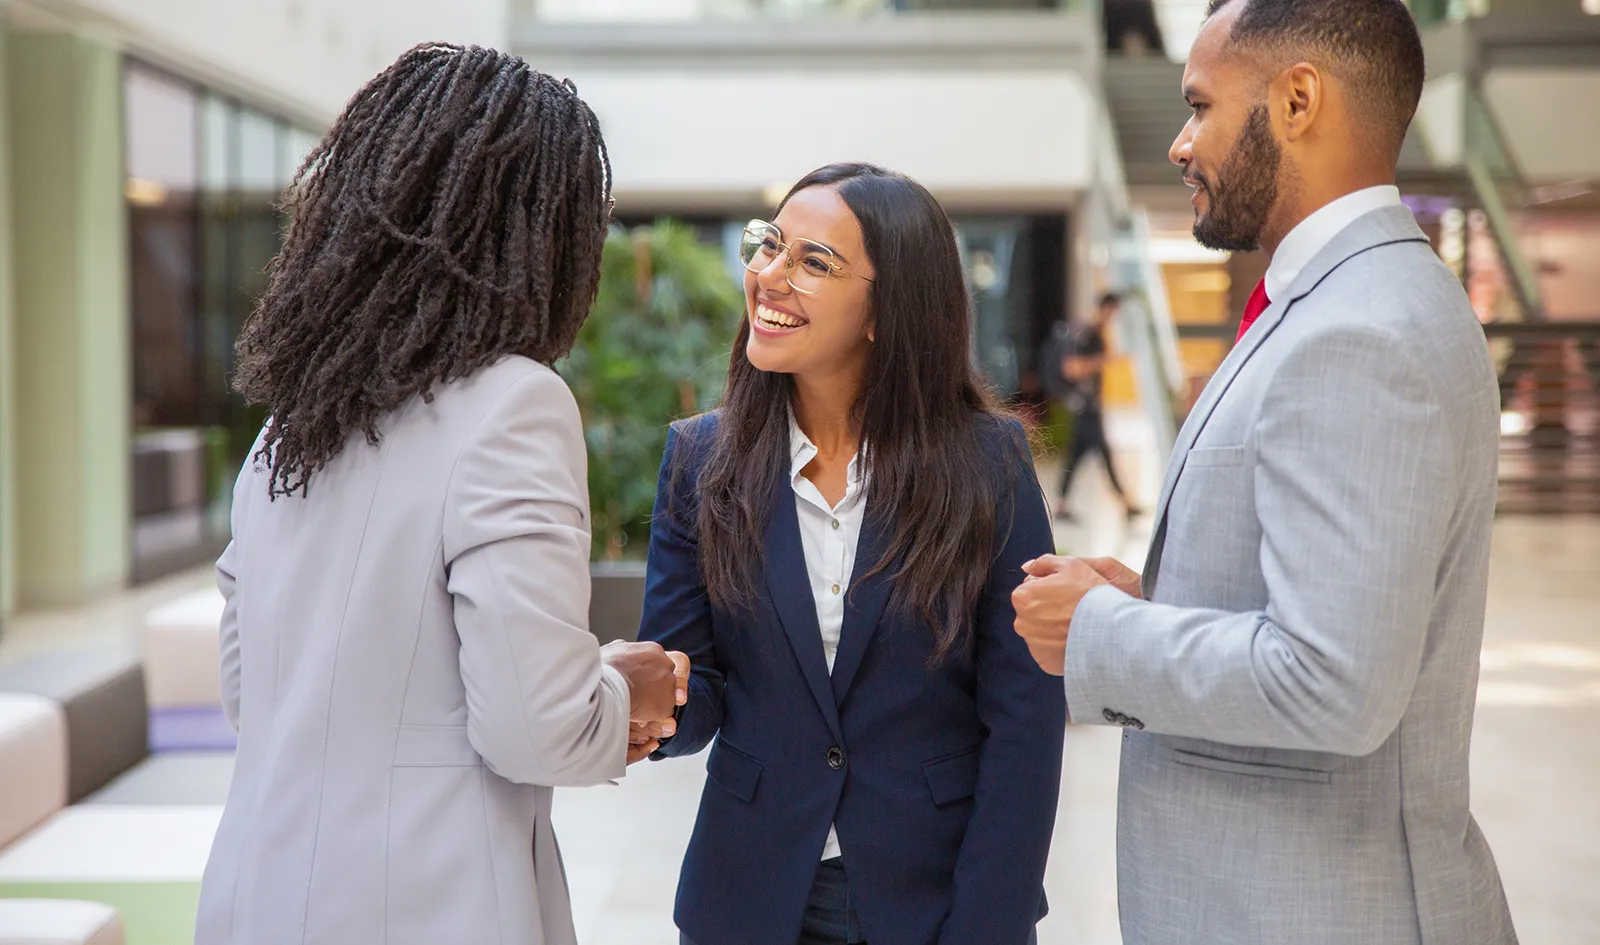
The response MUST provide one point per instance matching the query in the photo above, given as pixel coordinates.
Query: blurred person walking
(1075, 363)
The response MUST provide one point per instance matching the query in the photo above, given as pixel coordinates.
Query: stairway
(1550, 463)
(1145, 97)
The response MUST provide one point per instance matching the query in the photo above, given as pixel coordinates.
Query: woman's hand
(644, 738)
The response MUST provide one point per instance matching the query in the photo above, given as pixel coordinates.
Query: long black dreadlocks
(454, 214)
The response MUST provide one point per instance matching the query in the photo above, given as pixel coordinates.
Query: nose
(1182, 150)
(774, 277)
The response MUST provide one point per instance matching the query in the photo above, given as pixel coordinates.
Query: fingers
(1045, 565)
(640, 731)
(1122, 577)
(680, 671)
(638, 753)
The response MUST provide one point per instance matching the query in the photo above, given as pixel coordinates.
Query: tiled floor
(1535, 766)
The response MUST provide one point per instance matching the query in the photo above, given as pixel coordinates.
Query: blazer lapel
(1203, 408)
(1379, 228)
(863, 604)
(789, 584)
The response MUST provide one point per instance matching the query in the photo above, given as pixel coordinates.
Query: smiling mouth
(773, 320)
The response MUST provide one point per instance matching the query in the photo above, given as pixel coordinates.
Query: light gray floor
(1535, 763)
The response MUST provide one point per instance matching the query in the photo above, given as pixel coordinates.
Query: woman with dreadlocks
(405, 650)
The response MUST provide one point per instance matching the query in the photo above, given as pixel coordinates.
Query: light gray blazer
(1297, 695)
(406, 657)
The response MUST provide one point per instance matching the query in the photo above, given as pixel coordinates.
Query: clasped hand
(658, 682)
(1048, 598)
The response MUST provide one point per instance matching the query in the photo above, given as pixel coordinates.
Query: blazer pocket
(736, 772)
(953, 778)
(1217, 456)
(1251, 769)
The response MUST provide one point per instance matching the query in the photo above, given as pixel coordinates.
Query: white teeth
(774, 319)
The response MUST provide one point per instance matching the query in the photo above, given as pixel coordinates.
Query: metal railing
(1491, 167)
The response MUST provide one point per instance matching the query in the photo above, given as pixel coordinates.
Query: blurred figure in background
(405, 651)
(1075, 364)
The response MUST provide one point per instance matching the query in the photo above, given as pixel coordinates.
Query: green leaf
(634, 361)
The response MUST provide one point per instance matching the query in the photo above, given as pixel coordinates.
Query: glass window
(258, 154)
(204, 179)
(295, 145)
(162, 117)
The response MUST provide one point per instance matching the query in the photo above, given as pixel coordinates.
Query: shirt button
(835, 524)
(835, 590)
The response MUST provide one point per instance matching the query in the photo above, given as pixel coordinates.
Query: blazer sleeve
(677, 609)
(999, 877)
(232, 665)
(541, 706)
(1355, 484)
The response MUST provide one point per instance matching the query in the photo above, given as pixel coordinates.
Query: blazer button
(835, 758)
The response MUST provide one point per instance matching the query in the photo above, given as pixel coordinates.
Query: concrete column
(71, 310)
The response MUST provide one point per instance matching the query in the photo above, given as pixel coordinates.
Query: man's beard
(1246, 189)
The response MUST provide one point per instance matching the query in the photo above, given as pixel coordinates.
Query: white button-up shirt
(829, 536)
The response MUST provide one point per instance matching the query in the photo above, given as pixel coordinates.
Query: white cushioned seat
(33, 755)
(181, 651)
(58, 922)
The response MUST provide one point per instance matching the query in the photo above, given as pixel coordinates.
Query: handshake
(658, 682)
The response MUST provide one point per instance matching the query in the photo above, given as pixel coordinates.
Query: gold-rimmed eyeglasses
(807, 264)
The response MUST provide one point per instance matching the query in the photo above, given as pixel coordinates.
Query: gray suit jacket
(1297, 693)
(406, 657)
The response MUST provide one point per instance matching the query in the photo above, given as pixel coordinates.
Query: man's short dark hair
(1372, 46)
(1110, 299)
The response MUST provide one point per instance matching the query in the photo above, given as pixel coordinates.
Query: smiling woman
(859, 495)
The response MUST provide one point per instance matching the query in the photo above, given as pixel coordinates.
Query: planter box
(616, 600)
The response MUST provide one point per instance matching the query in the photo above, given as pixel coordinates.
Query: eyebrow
(842, 258)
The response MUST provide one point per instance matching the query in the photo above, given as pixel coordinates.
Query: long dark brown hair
(454, 214)
(932, 471)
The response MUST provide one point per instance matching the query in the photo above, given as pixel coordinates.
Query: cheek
(843, 330)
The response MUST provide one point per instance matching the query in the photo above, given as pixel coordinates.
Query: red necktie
(1252, 309)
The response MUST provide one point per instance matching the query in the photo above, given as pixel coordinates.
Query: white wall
(1552, 119)
(735, 131)
(305, 57)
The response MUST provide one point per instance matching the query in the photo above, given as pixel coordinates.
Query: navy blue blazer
(941, 781)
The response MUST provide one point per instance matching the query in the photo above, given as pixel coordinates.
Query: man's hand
(1122, 577)
(1045, 603)
(658, 681)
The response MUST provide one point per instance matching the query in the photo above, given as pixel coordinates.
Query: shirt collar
(802, 451)
(1305, 241)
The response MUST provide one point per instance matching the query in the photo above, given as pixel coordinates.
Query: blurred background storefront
(146, 144)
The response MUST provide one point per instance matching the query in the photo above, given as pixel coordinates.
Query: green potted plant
(655, 349)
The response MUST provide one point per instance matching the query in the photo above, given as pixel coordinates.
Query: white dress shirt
(1305, 241)
(829, 535)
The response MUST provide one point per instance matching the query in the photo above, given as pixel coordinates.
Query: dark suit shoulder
(694, 435)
